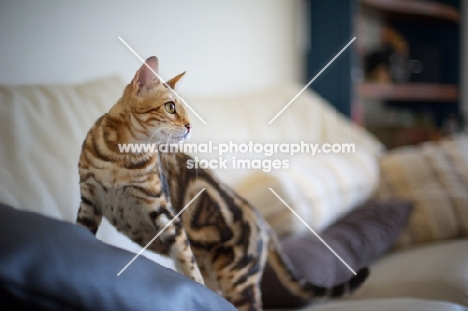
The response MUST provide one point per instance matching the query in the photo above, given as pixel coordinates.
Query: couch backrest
(43, 126)
(244, 118)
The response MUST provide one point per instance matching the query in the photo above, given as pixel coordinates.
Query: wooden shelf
(410, 91)
(414, 8)
(393, 137)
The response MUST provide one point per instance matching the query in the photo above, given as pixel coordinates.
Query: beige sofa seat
(434, 271)
(396, 304)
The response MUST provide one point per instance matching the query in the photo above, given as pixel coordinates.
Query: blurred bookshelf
(419, 105)
(403, 70)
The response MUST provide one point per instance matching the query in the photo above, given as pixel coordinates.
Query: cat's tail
(302, 288)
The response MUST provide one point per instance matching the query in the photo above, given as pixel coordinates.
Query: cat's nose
(188, 126)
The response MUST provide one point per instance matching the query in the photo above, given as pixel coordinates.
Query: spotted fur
(220, 240)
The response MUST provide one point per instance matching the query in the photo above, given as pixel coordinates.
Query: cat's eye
(170, 107)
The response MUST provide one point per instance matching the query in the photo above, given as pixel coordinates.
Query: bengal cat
(220, 239)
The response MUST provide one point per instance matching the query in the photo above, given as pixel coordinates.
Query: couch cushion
(402, 304)
(46, 264)
(320, 188)
(359, 238)
(42, 128)
(433, 175)
(244, 118)
(435, 271)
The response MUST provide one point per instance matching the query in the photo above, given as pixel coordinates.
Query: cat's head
(156, 113)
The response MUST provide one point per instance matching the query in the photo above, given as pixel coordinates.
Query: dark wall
(331, 28)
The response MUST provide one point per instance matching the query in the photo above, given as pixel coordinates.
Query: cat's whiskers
(168, 140)
(174, 154)
(163, 154)
(159, 129)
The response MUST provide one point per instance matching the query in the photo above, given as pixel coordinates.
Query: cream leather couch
(42, 128)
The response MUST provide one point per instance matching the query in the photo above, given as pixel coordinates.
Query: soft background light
(226, 46)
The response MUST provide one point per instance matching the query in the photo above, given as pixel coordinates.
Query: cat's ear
(145, 76)
(174, 80)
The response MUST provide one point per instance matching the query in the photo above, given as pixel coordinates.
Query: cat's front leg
(178, 244)
(184, 258)
(89, 214)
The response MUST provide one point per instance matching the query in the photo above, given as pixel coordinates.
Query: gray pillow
(47, 264)
(360, 237)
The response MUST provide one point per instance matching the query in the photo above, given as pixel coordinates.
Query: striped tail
(302, 288)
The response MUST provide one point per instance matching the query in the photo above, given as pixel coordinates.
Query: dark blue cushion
(47, 264)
